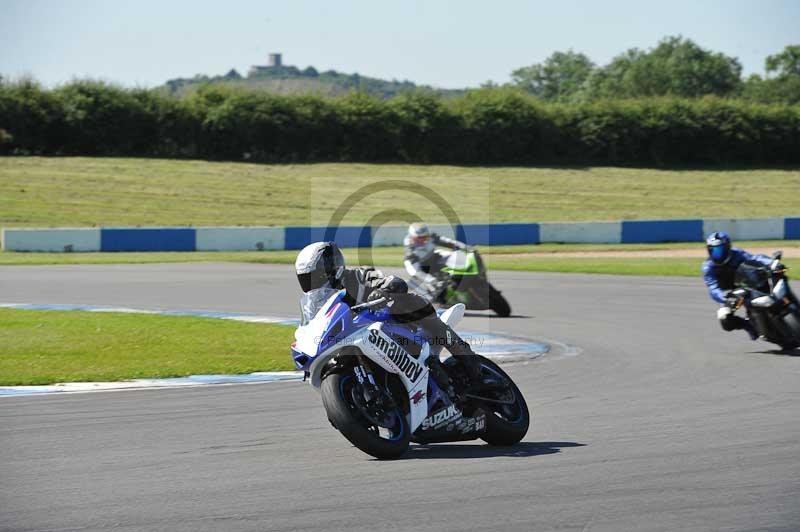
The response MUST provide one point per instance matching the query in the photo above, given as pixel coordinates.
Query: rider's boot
(731, 322)
(751, 330)
(743, 323)
(444, 335)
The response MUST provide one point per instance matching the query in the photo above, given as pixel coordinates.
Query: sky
(448, 44)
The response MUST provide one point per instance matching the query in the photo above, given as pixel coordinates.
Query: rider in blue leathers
(718, 274)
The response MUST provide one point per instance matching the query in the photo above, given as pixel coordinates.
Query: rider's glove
(387, 287)
(375, 295)
(440, 282)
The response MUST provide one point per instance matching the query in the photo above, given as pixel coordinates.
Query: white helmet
(419, 238)
(319, 264)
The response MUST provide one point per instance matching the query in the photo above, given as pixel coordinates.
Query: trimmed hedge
(490, 126)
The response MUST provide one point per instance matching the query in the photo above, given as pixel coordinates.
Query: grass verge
(87, 191)
(672, 267)
(44, 347)
(543, 257)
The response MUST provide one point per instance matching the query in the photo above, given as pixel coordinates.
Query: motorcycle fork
(366, 378)
(456, 288)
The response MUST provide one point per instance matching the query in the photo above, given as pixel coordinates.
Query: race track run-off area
(662, 422)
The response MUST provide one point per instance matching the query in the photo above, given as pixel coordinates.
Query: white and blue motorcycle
(384, 385)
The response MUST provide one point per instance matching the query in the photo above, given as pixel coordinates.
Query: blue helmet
(719, 247)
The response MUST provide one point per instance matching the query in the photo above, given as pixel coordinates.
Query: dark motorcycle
(461, 278)
(771, 305)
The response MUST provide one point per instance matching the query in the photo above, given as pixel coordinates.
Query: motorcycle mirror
(777, 255)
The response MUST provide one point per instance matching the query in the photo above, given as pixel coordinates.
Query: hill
(287, 79)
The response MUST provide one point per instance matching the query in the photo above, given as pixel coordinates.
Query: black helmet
(719, 247)
(317, 264)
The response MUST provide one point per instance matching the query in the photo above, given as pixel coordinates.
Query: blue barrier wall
(635, 232)
(346, 236)
(150, 239)
(791, 228)
(498, 234)
(250, 238)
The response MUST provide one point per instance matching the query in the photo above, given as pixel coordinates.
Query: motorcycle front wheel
(379, 433)
(506, 424)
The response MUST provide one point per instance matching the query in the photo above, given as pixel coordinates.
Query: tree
(560, 78)
(676, 66)
(784, 86)
(786, 63)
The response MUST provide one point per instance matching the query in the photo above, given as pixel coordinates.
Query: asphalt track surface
(662, 422)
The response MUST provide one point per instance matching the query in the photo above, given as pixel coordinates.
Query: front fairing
(462, 263)
(779, 295)
(397, 348)
(326, 320)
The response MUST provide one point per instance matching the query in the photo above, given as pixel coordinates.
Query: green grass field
(43, 347)
(81, 191)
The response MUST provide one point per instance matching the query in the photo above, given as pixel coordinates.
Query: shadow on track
(779, 352)
(494, 316)
(524, 449)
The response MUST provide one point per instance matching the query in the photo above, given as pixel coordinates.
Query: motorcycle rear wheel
(349, 418)
(793, 324)
(498, 303)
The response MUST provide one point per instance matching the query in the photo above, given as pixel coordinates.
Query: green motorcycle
(461, 278)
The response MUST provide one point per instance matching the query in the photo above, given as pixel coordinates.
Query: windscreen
(751, 276)
(457, 260)
(312, 301)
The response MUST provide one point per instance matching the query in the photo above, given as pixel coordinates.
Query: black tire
(345, 415)
(505, 424)
(793, 324)
(498, 303)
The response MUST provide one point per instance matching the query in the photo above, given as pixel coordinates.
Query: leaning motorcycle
(771, 305)
(461, 278)
(385, 384)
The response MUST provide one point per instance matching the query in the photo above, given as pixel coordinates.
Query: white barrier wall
(388, 235)
(392, 235)
(63, 240)
(581, 232)
(747, 229)
(239, 238)
(113, 239)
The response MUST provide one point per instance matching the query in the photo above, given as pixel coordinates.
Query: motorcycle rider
(322, 265)
(718, 273)
(419, 258)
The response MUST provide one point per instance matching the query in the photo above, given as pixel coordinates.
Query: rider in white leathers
(420, 259)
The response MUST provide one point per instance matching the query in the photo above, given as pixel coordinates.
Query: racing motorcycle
(771, 305)
(385, 384)
(460, 278)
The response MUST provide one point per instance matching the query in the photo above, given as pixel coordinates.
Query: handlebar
(369, 304)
